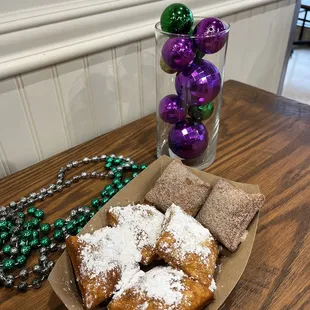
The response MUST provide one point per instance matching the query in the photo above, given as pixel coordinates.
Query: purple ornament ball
(188, 139)
(211, 35)
(199, 84)
(178, 53)
(171, 109)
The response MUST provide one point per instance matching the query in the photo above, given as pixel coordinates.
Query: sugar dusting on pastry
(212, 286)
(190, 236)
(109, 249)
(160, 283)
(143, 220)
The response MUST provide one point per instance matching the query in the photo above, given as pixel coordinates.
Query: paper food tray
(62, 277)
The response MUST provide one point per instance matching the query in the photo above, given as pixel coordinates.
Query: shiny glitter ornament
(177, 18)
(171, 109)
(165, 68)
(200, 113)
(199, 84)
(178, 53)
(210, 35)
(188, 139)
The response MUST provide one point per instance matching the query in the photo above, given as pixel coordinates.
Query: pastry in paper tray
(180, 186)
(187, 245)
(144, 221)
(103, 262)
(162, 288)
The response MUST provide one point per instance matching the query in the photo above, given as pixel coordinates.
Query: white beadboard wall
(48, 110)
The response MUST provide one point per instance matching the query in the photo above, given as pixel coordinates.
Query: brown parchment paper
(62, 278)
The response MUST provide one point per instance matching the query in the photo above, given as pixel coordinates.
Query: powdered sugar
(212, 286)
(144, 306)
(143, 220)
(110, 250)
(164, 283)
(190, 236)
(160, 283)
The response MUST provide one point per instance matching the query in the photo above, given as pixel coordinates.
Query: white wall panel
(16, 139)
(43, 103)
(148, 75)
(18, 5)
(235, 51)
(127, 68)
(52, 109)
(4, 169)
(78, 105)
(282, 26)
(104, 91)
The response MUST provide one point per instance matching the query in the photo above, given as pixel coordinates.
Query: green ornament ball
(143, 167)
(104, 200)
(25, 250)
(6, 249)
(165, 67)
(26, 234)
(39, 214)
(31, 210)
(108, 165)
(59, 223)
(35, 234)
(45, 241)
(81, 220)
(118, 174)
(21, 260)
(117, 161)
(4, 236)
(111, 192)
(78, 229)
(58, 235)
(45, 228)
(34, 243)
(108, 187)
(127, 180)
(200, 113)
(119, 186)
(199, 55)
(8, 264)
(95, 202)
(177, 18)
(35, 222)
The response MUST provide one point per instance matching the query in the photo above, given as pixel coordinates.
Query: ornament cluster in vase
(197, 81)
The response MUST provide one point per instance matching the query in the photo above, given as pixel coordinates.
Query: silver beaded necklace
(23, 232)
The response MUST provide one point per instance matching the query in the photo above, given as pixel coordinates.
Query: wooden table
(265, 140)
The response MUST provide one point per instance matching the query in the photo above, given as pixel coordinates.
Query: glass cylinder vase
(189, 81)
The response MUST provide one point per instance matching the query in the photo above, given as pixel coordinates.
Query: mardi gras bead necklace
(23, 231)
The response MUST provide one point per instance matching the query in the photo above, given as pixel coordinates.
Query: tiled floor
(297, 79)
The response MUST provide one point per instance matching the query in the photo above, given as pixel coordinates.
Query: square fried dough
(146, 224)
(179, 186)
(162, 288)
(103, 262)
(187, 245)
(228, 211)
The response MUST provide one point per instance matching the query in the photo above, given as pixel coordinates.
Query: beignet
(178, 185)
(187, 245)
(228, 211)
(103, 262)
(144, 221)
(162, 288)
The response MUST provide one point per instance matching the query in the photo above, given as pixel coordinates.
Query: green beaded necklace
(23, 232)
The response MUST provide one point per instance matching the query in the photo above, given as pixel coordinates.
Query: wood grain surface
(264, 140)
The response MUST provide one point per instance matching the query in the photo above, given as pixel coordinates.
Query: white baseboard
(60, 33)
